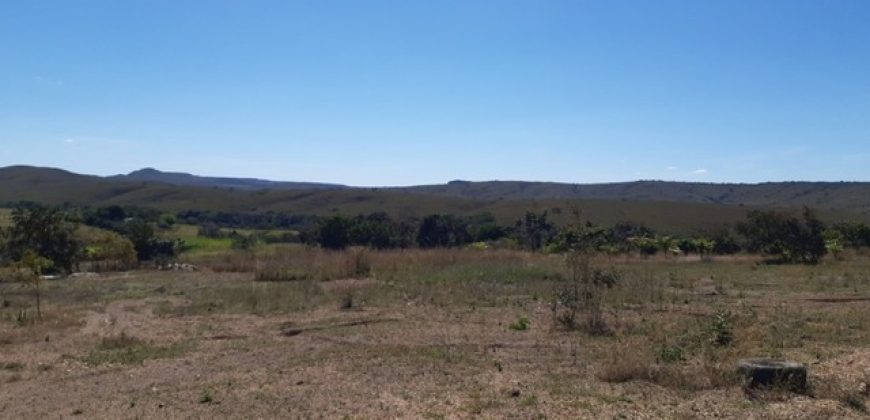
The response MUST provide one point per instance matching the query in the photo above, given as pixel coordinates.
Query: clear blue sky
(407, 92)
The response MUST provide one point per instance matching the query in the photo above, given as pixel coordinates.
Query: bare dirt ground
(380, 358)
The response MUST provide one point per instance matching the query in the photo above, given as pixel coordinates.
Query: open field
(432, 334)
(197, 245)
(194, 243)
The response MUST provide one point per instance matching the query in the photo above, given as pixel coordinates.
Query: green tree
(534, 230)
(439, 230)
(148, 246)
(376, 230)
(35, 264)
(334, 232)
(789, 238)
(44, 232)
(645, 245)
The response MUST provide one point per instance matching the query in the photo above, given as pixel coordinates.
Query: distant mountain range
(851, 196)
(185, 179)
(667, 204)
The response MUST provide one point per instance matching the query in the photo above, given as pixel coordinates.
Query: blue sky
(410, 92)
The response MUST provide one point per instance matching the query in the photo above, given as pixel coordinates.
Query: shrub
(521, 324)
(854, 400)
(346, 301)
(670, 353)
(721, 329)
(107, 250)
(583, 293)
(207, 397)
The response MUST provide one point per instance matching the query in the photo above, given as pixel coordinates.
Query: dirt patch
(124, 316)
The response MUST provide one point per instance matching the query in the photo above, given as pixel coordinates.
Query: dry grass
(127, 350)
(435, 334)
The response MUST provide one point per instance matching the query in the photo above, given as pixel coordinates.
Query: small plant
(865, 386)
(529, 401)
(521, 324)
(854, 400)
(207, 397)
(11, 366)
(273, 274)
(35, 264)
(721, 329)
(670, 354)
(23, 318)
(346, 301)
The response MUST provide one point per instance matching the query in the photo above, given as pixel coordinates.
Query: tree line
(782, 236)
(51, 236)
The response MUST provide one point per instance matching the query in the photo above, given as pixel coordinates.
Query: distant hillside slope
(54, 186)
(846, 196)
(841, 196)
(185, 179)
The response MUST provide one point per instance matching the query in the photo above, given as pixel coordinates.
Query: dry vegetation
(299, 332)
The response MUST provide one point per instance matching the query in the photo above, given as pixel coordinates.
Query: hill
(55, 186)
(837, 196)
(841, 196)
(185, 179)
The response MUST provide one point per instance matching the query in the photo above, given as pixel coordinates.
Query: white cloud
(700, 172)
(672, 168)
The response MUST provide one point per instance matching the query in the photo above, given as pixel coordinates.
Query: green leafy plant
(207, 397)
(721, 328)
(521, 324)
(670, 353)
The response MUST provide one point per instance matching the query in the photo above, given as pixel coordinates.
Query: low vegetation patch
(127, 350)
(521, 324)
(13, 366)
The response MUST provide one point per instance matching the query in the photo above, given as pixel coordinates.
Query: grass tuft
(127, 350)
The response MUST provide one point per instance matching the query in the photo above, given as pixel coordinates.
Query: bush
(521, 324)
(107, 250)
(721, 329)
(583, 294)
(148, 245)
(670, 353)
